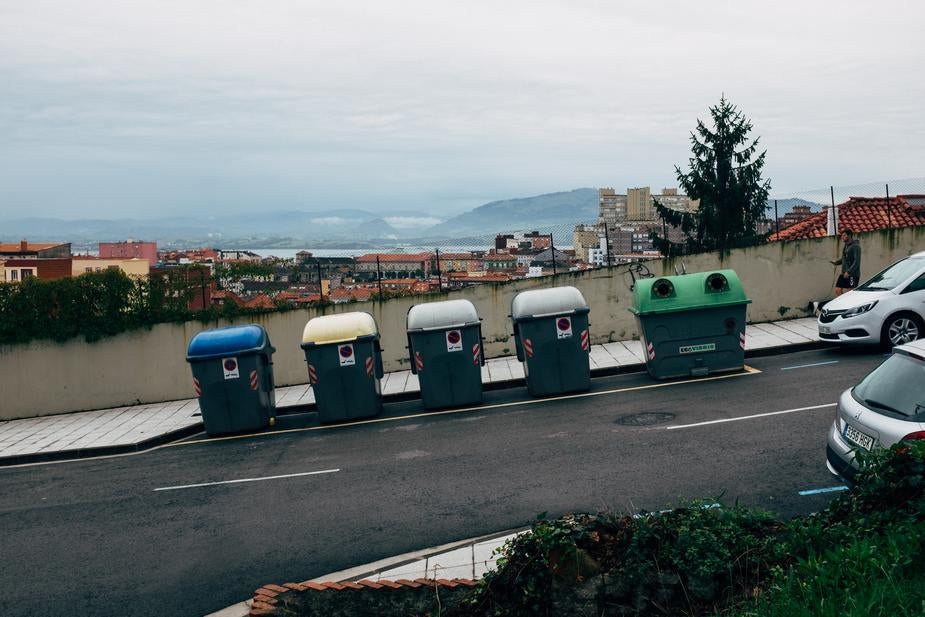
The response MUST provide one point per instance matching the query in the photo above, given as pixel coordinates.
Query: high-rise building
(639, 204)
(586, 237)
(612, 208)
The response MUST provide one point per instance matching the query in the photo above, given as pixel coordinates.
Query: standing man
(850, 263)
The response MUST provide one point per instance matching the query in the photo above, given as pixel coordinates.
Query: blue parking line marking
(790, 368)
(817, 491)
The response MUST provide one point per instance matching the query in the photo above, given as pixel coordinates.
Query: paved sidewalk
(125, 429)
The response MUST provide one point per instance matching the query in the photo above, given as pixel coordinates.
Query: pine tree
(725, 175)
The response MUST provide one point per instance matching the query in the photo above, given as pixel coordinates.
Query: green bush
(96, 305)
(863, 555)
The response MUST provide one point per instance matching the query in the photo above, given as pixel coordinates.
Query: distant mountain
(551, 212)
(551, 209)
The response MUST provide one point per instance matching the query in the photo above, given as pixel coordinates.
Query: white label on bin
(230, 367)
(564, 327)
(453, 340)
(345, 355)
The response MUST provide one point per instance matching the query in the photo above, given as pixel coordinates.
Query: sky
(153, 108)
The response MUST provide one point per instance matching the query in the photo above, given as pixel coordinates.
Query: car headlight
(859, 310)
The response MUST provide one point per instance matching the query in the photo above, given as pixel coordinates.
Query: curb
(87, 453)
(189, 431)
(242, 609)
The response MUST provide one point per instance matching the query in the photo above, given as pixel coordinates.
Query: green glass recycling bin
(445, 345)
(692, 324)
(233, 377)
(552, 340)
(344, 365)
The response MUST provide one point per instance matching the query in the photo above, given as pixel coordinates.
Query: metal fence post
(439, 277)
(777, 219)
(834, 210)
(320, 284)
(607, 244)
(665, 235)
(889, 209)
(379, 276)
(552, 249)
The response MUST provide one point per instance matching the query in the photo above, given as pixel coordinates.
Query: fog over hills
(324, 226)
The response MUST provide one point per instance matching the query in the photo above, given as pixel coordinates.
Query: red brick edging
(266, 598)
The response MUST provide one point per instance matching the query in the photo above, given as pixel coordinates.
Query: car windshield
(896, 386)
(898, 273)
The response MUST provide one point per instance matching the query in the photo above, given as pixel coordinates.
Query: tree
(725, 175)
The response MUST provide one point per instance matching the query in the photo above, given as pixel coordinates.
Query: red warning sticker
(454, 340)
(564, 327)
(230, 368)
(345, 355)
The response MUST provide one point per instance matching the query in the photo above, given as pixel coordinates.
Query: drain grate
(645, 419)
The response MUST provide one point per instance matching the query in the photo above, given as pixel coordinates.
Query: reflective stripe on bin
(312, 375)
(528, 347)
(253, 380)
(742, 340)
(197, 387)
(369, 366)
(419, 361)
(585, 341)
(476, 353)
(650, 348)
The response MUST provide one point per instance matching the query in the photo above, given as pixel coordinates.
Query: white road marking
(790, 368)
(757, 415)
(829, 489)
(288, 475)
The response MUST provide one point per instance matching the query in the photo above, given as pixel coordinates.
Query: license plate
(855, 436)
(825, 330)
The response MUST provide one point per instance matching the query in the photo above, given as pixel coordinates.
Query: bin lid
(442, 315)
(339, 328)
(690, 292)
(226, 341)
(547, 302)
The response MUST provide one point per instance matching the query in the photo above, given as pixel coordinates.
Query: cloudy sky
(163, 107)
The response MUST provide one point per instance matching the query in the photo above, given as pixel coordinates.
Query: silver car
(887, 407)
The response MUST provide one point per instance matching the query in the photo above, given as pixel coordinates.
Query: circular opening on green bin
(663, 288)
(717, 282)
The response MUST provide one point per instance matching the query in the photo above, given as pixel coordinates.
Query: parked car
(888, 309)
(887, 407)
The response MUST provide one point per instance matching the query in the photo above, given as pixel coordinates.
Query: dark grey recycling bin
(692, 324)
(445, 345)
(552, 340)
(233, 376)
(344, 365)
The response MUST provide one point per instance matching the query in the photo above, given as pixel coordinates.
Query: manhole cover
(645, 419)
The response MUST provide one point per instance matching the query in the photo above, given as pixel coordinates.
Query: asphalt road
(95, 538)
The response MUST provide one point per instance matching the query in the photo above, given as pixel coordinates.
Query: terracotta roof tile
(860, 214)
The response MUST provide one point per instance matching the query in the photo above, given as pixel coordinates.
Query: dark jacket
(851, 259)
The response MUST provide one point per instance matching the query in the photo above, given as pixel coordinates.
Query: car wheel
(901, 328)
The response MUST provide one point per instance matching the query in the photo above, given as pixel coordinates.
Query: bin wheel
(272, 421)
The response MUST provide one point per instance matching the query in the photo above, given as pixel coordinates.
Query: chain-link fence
(829, 210)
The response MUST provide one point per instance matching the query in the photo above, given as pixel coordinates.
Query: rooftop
(861, 214)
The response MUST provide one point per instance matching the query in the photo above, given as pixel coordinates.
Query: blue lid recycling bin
(233, 377)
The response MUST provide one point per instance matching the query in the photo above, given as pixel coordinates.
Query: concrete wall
(43, 377)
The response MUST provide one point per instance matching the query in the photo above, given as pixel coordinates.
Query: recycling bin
(552, 340)
(692, 324)
(344, 365)
(445, 346)
(233, 377)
